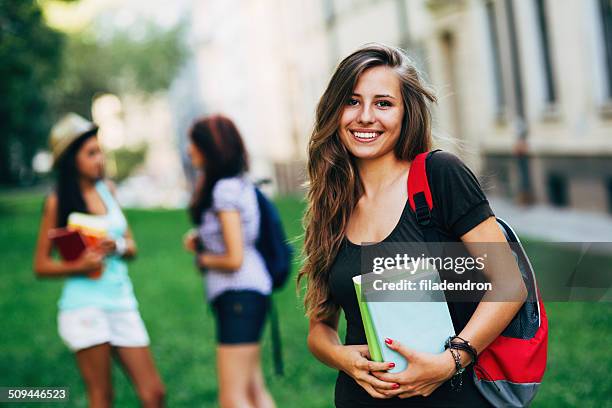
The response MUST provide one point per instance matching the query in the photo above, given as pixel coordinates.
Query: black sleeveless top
(460, 205)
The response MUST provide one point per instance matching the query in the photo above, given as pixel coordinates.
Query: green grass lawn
(172, 304)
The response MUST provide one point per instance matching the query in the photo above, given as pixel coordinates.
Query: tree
(141, 61)
(120, 64)
(29, 62)
(45, 73)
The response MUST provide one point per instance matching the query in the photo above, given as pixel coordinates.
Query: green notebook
(423, 323)
(370, 333)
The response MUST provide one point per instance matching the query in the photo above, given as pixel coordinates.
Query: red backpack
(510, 370)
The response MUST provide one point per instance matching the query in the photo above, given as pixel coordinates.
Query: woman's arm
(231, 229)
(44, 264)
(131, 250)
(324, 344)
(124, 246)
(128, 245)
(492, 316)
(323, 341)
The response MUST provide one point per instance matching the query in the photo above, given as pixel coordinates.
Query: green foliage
(127, 160)
(149, 63)
(123, 63)
(44, 73)
(29, 62)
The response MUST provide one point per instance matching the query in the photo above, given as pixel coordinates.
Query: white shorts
(89, 326)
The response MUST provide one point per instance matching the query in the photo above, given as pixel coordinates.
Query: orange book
(93, 229)
(83, 231)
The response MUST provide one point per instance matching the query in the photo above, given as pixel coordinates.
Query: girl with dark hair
(224, 207)
(371, 122)
(96, 314)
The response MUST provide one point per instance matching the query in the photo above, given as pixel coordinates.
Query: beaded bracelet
(457, 378)
(464, 345)
(454, 347)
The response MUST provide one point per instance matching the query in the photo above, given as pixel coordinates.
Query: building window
(609, 191)
(500, 97)
(605, 7)
(550, 93)
(557, 190)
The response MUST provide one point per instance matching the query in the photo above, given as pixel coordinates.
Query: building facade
(524, 86)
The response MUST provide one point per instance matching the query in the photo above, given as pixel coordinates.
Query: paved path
(555, 224)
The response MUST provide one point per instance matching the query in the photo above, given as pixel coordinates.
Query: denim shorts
(240, 316)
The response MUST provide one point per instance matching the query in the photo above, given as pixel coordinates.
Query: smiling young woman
(371, 122)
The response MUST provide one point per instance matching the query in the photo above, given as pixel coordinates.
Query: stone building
(524, 86)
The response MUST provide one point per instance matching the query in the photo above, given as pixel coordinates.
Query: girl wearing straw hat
(98, 313)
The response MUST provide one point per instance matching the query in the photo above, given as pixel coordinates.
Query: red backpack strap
(419, 194)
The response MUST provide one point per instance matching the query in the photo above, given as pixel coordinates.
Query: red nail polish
(388, 340)
(395, 386)
(391, 365)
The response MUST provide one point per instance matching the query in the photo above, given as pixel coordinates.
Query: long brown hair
(219, 140)
(334, 183)
(68, 190)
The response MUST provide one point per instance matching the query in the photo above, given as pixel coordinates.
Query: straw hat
(69, 128)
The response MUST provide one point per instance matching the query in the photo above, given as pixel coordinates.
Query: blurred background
(525, 86)
(525, 99)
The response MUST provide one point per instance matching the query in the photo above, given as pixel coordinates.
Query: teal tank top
(113, 290)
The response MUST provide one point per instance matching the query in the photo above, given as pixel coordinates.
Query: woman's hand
(190, 240)
(355, 361)
(90, 261)
(424, 374)
(106, 246)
